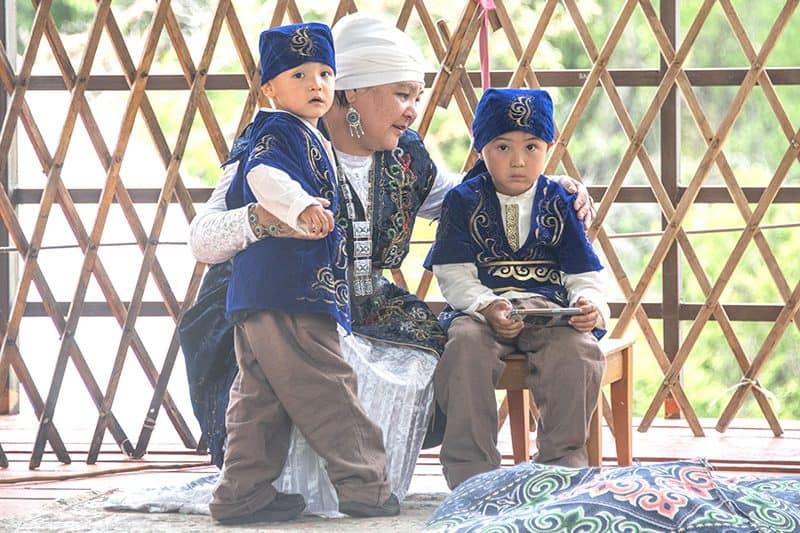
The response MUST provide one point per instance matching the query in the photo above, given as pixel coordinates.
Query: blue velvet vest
(291, 275)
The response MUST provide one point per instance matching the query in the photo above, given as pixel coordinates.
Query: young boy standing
(508, 238)
(286, 296)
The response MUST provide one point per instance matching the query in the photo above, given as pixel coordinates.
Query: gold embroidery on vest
(262, 147)
(479, 223)
(315, 161)
(512, 226)
(549, 217)
(329, 289)
(541, 271)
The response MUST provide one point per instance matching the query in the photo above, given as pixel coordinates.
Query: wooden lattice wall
(452, 42)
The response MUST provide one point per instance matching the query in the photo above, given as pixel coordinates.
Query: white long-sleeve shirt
(462, 288)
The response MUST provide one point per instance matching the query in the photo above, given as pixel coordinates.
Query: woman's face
(386, 112)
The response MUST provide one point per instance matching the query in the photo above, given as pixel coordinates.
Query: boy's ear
(268, 90)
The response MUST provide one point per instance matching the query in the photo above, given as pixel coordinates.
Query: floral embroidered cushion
(672, 496)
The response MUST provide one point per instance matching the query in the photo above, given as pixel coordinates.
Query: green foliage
(70, 16)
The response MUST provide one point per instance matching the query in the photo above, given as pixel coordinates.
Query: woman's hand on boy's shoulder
(584, 209)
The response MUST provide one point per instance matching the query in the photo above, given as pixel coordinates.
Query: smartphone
(548, 317)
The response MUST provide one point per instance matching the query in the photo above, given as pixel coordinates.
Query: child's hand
(279, 229)
(587, 321)
(316, 220)
(495, 314)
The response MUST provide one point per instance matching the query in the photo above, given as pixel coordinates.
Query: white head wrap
(371, 52)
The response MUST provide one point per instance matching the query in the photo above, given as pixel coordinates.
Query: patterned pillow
(673, 496)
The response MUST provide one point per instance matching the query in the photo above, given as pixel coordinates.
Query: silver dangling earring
(353, 118)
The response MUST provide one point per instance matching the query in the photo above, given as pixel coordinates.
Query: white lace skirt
(395, 386)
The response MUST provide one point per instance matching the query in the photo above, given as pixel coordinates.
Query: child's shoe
(391, 507)
(283, 507)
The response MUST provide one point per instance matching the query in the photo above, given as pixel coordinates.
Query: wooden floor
(749, 446)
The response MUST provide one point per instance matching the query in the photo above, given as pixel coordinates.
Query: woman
(387, 179)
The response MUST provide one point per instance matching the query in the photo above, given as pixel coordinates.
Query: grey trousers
(291, 372)
(566, 368)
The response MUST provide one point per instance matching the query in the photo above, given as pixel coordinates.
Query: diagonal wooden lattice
(686, 247)
(89, 245)
(711, 155)
(451, 81)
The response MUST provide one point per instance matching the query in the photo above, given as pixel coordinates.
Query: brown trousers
(566, 368)
(291, 372)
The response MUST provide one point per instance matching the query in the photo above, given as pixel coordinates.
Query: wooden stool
(618, 374)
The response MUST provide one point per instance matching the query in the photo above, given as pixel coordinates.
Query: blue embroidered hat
(286, 47)
(503, 110)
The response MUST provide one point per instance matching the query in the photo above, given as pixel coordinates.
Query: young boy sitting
(286, 296)
(508, 238)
